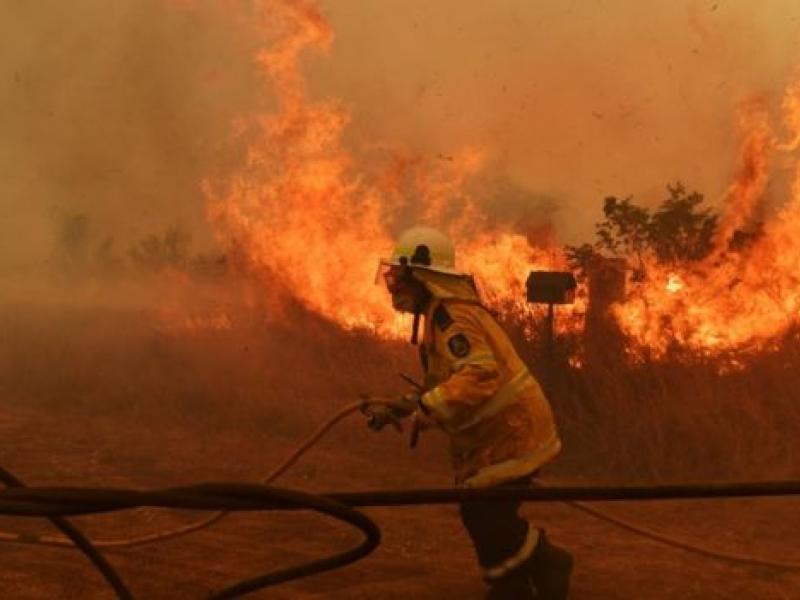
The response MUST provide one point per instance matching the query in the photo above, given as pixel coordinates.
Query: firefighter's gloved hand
(381, 415)
(408, 404)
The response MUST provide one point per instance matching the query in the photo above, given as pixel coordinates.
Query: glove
(380, 415)
(407, 404)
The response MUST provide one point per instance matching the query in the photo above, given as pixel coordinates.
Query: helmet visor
(380, 273)
(394, 277)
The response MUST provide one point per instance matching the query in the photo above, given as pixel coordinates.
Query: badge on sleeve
(459, 345)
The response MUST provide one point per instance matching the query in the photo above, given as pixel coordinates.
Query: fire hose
(56, 503)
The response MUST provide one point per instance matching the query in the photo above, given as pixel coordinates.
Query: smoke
(574, 100)
(112, 114)
(117, 111)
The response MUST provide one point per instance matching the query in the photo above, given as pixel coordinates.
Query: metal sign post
(551, 288)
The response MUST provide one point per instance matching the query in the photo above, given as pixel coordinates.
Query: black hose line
(70, 501)
(55, 503)
(568, 493)
(81, 543)
(292, 499)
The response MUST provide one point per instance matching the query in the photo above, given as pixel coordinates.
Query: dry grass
(678, 419)
(681, 418)
(120, 361)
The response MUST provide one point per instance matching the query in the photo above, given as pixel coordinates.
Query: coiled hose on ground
(56, 504)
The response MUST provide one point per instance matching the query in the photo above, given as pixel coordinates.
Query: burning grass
(203, 361)
(310, 211)
(681, 416)
(675, 418)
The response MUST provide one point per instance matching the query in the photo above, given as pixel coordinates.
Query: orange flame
(309, 217)
(737, 298)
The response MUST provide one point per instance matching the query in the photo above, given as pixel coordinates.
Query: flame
(737, 299)
(674, 283)
(310, 216)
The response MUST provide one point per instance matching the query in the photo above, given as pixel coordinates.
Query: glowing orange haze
(307, 215)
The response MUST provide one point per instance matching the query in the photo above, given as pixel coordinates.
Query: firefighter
(478, 390)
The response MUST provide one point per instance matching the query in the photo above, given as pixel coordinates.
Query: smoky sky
(574, 99)
(118, 110)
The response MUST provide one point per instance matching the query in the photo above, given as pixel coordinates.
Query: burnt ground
(424, 554)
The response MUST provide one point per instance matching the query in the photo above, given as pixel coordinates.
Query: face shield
(384, 266)
(393, 276)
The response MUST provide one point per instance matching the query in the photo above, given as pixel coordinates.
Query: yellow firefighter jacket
(480, 392)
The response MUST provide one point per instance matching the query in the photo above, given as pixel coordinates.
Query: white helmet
(424, 248)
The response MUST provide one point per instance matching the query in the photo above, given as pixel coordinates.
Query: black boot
(518, 585)
(549, 567)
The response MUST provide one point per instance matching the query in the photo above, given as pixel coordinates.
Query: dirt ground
(424, 554)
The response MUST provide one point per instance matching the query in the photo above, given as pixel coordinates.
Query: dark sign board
(551, 287)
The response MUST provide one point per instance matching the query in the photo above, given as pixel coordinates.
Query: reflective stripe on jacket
(500, 424)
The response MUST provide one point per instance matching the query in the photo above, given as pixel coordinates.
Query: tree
(579, 257)
(156, 252)
(680, 230)
(73, 239)
(625, 230)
